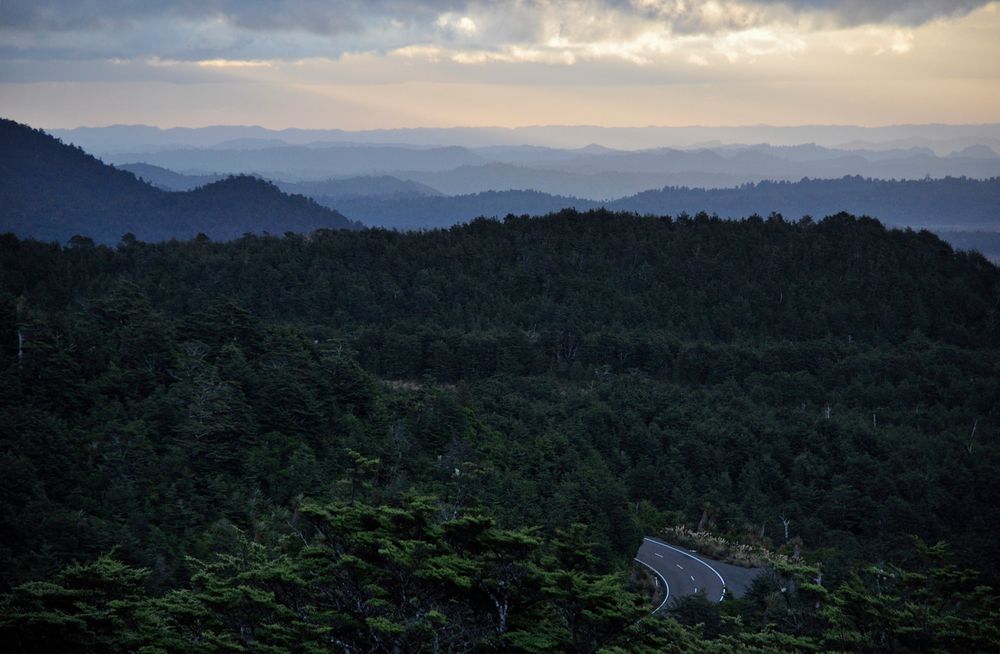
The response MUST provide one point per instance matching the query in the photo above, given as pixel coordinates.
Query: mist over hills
(52, 191)
(965, 212)
(303, 162)
(444, 186)
(951, 204)
(593, 172)
(943, 139)
(168, 180)
(365, 186)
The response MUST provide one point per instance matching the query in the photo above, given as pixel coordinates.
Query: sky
(366, 64)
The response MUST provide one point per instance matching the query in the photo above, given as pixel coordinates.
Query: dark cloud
(340, 16)
(289, 29)
(691, 17)
(321, 16)
(902, 12)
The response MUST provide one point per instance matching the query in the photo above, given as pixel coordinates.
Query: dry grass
(722, 549)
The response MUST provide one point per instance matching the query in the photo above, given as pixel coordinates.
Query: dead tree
(785, 522)
(972, 436)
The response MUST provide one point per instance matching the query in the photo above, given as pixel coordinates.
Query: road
(686, 572)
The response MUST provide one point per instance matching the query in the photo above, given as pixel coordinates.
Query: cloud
(320, 16)
(851, 13)
(466, 31)
(333, 17)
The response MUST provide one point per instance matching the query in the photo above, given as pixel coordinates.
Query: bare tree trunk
(972, 435)
(704, 520)
(786, 521)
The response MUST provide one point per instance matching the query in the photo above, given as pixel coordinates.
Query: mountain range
(942, 139)
(365, 186)
(593, 172)
(54, 191)
(964, 211)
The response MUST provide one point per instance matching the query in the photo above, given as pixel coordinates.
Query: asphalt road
(686, 572)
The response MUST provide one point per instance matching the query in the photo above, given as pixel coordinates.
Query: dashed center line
(678, 565)
(691, 556)
(657, 554)
(692, 577)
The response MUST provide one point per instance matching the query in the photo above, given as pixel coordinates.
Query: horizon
(939, 137)
(519, 127)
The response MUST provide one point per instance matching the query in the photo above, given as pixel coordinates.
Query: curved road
(685, 572)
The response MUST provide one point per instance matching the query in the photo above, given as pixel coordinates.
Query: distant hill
(412, 213)
(168, 180)
(964, 211)
(944, 204)
(592, 172)
(949, 203)
(368, 185)
(307, 162)
(466, 180)
(941, 138)
(52, 191)
(599, 175)
(363, 186)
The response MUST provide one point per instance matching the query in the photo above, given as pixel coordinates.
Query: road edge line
(662, 578)
(692, 556)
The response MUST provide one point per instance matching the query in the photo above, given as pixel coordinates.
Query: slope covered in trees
(949, 203)
(948, 206)
(377, 440)
(53, 191)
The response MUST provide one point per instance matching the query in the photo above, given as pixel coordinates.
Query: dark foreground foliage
(454, 441)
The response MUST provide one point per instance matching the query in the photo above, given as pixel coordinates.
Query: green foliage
(936, 607)
(456, 440)
(372, 578)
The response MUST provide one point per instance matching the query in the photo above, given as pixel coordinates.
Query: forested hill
(455, 440)
(577, 273)
(53, 191)
(949, 203)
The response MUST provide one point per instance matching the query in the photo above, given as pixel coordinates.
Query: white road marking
(657, 554)
(692, 577)
(665, 584)
(679, 566)
(670, 547)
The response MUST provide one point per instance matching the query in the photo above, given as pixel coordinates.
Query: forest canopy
(456, 439)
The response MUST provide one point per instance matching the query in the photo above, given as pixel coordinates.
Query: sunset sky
(360, 64)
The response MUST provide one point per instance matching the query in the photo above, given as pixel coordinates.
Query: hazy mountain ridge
(594, 172)
(297, 162)
(942, 138)
(53, 191)
(169, 180)
(363, 186)
(965, 212)
(166, 179)
(105, 203)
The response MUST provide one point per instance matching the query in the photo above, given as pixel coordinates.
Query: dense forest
(962, 211)
(50, 190)
(950, 202)
(455, 440)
